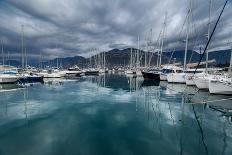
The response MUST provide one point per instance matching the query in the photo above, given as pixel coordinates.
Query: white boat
(189, 77)
(220, 85)
(130, 71)
(167, 69)
(177, 76)
(202, 82)
(139, 73)
(8, 74)
(51, 73)
(8, 78)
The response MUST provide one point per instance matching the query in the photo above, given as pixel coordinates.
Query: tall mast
(162, 40)
(8, 58)
(40, 61)
(104, 60)
(2, 55)
(131, 58)
(208, 35)
(25, 53)
(230, 69)
(22, 46)
(145, 55)
(187, 34)
(158, 54)
(150, 44)
(138, 54)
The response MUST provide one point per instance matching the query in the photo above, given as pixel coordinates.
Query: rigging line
(157, 43)
(211, 35)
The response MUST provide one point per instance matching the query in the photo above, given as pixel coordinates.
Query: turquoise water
(112, 115)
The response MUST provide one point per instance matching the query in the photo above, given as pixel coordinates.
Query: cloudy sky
(75, 27)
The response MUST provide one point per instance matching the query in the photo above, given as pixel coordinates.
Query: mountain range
(118, 57)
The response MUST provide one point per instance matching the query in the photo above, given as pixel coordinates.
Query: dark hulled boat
(150, 75)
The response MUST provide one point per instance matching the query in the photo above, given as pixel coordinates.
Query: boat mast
(145, 55)
(104, 60)
(131, 59)
(149, 45)
(162, 40)
(158, 54)
(138, 54)
(3, 61)
(230, 69)
(187, 34)
(25, 52)
(22, 46)
(208, 35)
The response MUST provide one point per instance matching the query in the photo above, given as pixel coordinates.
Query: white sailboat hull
(176, 78)
(189, 81)
(139, 73)
(163, 77)
(130, 72)
(202, 82)
(220, 87)
(51, 75)
(4, 78)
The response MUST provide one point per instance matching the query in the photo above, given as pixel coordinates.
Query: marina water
(113, 114)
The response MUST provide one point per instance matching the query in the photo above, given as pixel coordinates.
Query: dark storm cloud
(74, 27)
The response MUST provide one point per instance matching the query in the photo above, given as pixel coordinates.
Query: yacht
(166, 70)
(8, 78)
(91, 71)
(151, 74)
(202, 81)
(8, 74)
(130, 71)
(220, 85)
(189, 77)
(176, 76)
(73, 72)
(50, 73)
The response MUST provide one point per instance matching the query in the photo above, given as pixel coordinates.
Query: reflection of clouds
(120, 118)
(122, 96)
(45, 99)
(90, 110)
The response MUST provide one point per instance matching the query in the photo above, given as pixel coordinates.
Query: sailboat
(202, 82)
(179, 77)
(222, 84)
(131, 70)
(155, 74)
(138, 69)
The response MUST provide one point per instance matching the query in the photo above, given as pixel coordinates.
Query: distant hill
(67, 62)
(221, 57)
(118, 57)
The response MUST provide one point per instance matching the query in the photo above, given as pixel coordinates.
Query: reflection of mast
(224, 137)
(201, 130)
(25, 97)
(2, 54)
(173, 121)
(182, 124)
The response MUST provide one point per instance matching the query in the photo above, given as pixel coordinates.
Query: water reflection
(113, 114)
(9, 87)
(184, 114)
